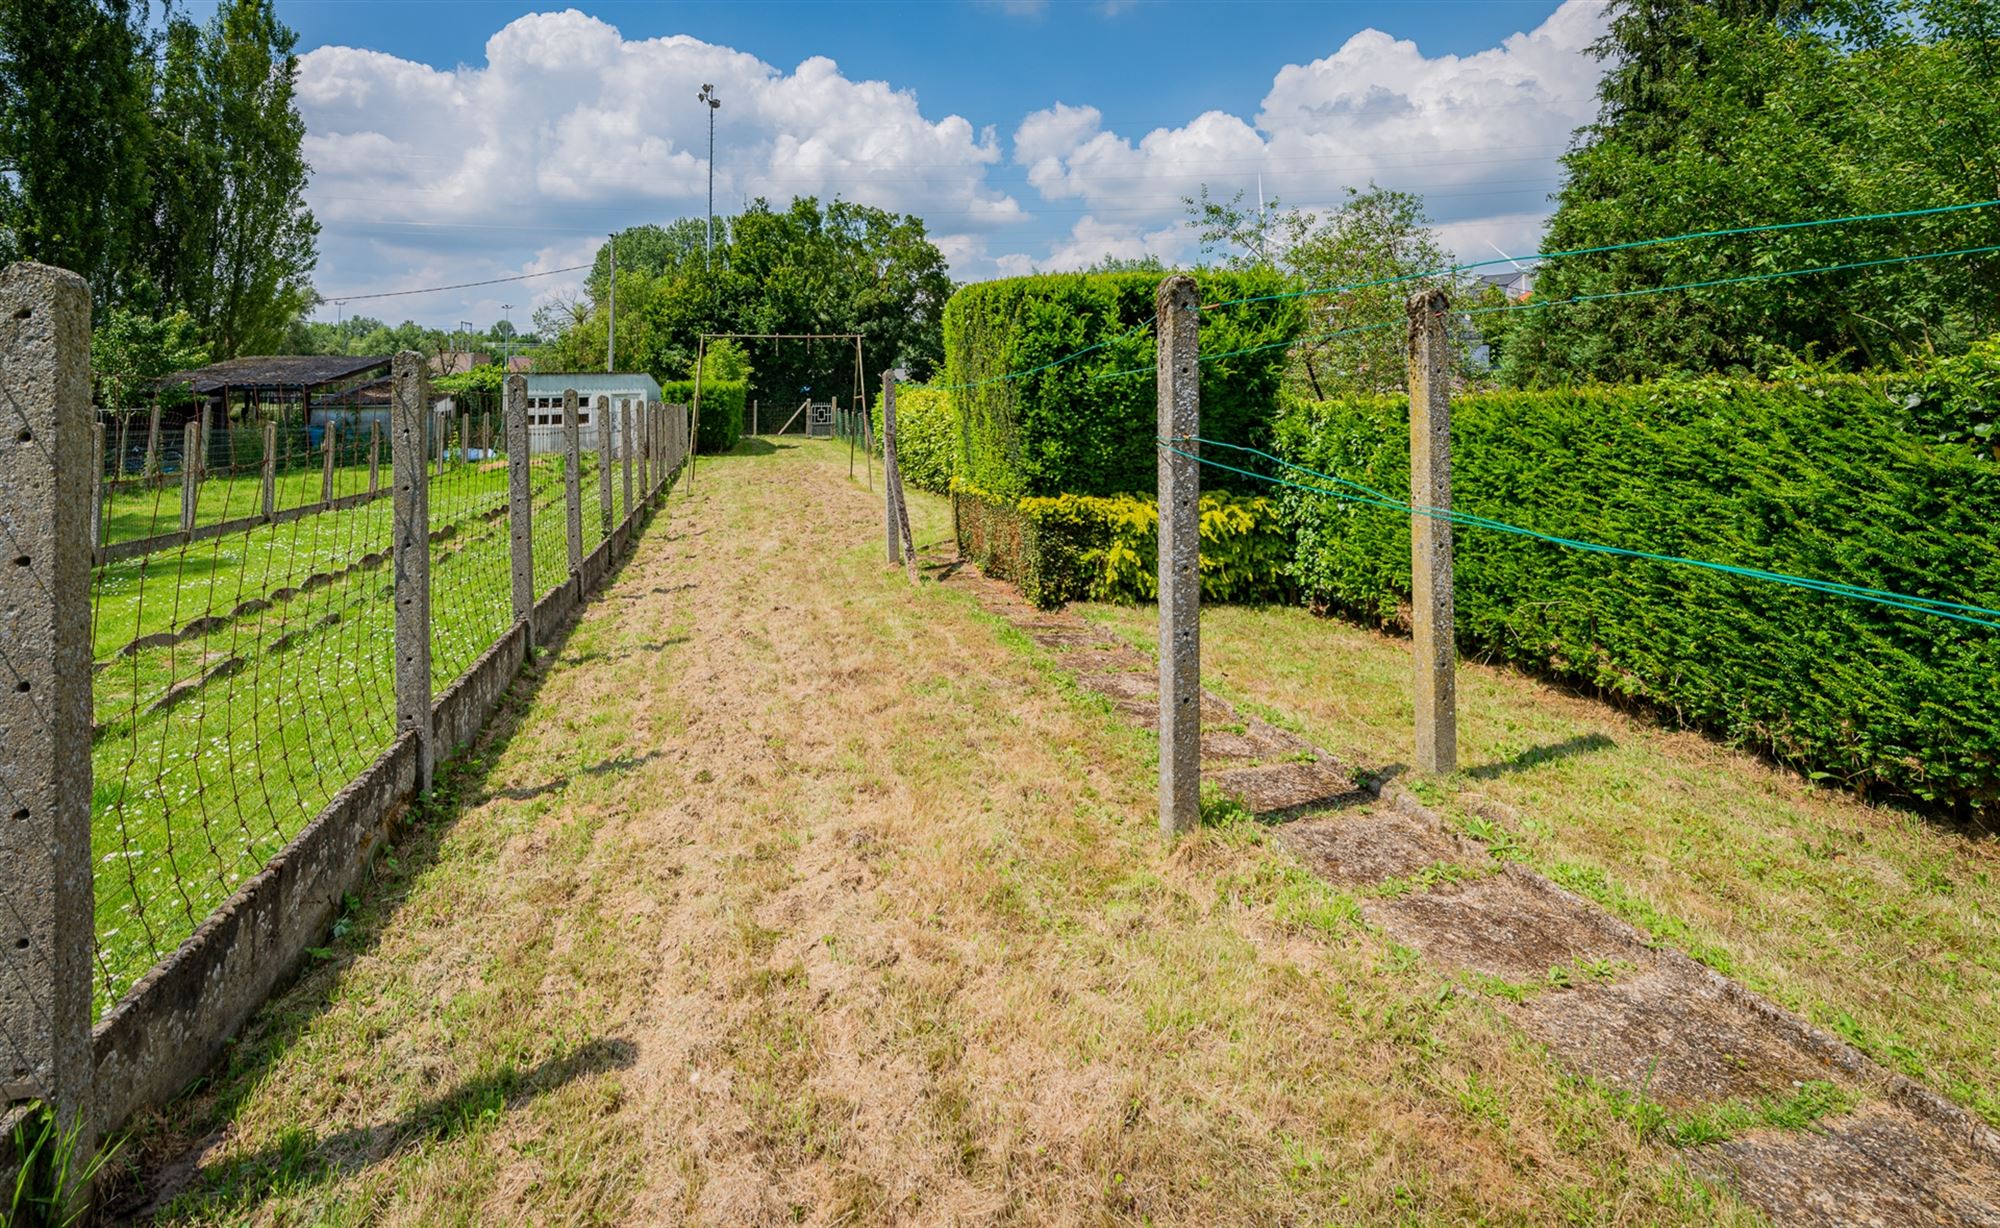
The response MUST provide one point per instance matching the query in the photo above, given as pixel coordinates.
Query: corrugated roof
(590, 383)
(275, 371)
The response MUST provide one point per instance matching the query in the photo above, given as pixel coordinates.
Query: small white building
(611, 389)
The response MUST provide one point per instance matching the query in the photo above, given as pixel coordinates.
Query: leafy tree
(1719, 116)
(502, 330)
(234, 240)
(726, 360)
(1353, 341)
(807, 268)
(130, 349)
(73, 132)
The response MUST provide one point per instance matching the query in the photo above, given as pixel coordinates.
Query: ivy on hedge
(1073, 428)
(926, 437)
(722, 405)
(1820, 479)
(1105, 548)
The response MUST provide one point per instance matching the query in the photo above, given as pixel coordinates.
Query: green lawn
(192, 799)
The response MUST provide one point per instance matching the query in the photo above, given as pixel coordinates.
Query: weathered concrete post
(602, 421)
(441, 427)
(153, 438)
(1178, 380)
(625, 439)
(190, 474)
(374, 457)
(486, 436)
(1432, 633)
(889, 523)
(464, 440)
(520, 500)
(326, 464)
(573, 479)
(270, 473)
(411, 546)
(45, 861)
(96, 493)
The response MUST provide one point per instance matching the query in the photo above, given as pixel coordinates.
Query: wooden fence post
(326, 464)
(270, 474)
(573, 479)
(1432, 633)
(1178, 380)
(520, 500)
(411, 546)
(46, 899)
(190, 474)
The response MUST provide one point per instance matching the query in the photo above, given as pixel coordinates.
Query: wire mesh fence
(243, 642)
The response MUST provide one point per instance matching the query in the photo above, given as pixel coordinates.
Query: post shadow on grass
(616, 765)
(300, 1160)
(1536, 756)
(751, 445)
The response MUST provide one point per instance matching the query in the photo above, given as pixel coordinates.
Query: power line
(464, 285)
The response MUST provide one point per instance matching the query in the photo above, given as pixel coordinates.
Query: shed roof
(276, 371)
(590, 383)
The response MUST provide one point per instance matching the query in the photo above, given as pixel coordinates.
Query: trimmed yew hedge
(1822, 479)
(926, 437)
(1105, 548)
(722, 405)
(1081, 427)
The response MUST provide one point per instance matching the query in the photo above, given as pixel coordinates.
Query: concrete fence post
(889, 518)
(602, 421)
(411, 545)
(464, 440)
(1432, 634)
(625, 439)
(152, 469)
(326, 463)
(573, 479)
(486, 436)
(96, 493)
(190, 474)
(374, 457)
(270, 472)
(520, 500)
(46, 904)
(1178, 380)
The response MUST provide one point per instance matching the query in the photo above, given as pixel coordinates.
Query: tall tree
(73, 133)
(1723, 115)
(239, 179)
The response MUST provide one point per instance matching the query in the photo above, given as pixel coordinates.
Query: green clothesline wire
(1601, 250)
(1588, 298)
(1480, 264)
(1375, 498)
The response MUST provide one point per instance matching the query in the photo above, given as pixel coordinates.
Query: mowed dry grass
(794, 894)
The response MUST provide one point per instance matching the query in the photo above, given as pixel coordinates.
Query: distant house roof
(520, 364)
(591, 383)
(458, 362)
(275, 371)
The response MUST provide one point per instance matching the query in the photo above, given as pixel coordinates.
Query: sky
(459, 140)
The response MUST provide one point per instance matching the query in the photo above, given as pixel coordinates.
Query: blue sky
(455, 140)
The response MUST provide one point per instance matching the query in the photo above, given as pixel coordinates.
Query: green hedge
(1815, 479)
(722, 404)
(926, 437)
(1077, 428)
(1105, 548)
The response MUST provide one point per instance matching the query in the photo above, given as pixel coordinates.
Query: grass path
(1878, 925)
(788, 893)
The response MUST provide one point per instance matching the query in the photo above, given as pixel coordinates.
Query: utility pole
(708, 96)
(611, 325)
(507, 342)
